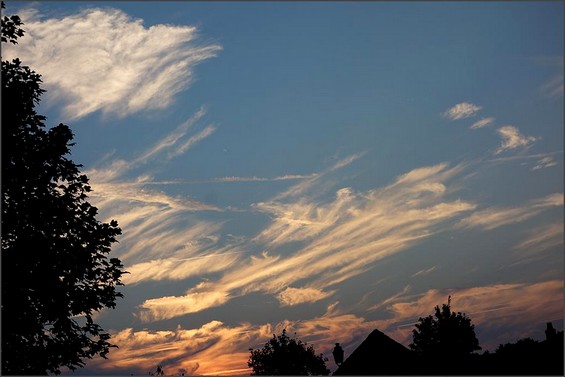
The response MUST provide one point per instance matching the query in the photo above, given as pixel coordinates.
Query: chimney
(550, 332)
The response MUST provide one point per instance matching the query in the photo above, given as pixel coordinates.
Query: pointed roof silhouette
(378, 355)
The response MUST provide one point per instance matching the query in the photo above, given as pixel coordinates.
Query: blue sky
(328, 167)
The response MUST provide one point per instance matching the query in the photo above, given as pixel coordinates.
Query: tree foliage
(55, 270)
(283, 355)
(446, 333)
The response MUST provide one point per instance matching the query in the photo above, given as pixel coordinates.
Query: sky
(325, 167)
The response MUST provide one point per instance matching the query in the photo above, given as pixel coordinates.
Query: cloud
(370, 226)
(111, 62)
(306, 186)
(421, 174)
(286, 177)
(177, 142)
(295, 296)
(193, 140)
(543, 238)
(132, 192)
(213, 348)
(216, 348)
(544, 163)
(180, 268)
(525, 157)
(156, 226)
(173, 306)
(461, 111)
(424, 271)
(170, 142)
(346, 161)
(500, 312)
(492, 218)
(512, 138)
(553, 87)
(482, 123)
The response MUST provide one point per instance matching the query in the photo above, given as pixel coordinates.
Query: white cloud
(177, 142)
(286, 177)
(149, 218)
(482, 123)
(173, 306)
(170, 142)
(512, 138)
(420, 174)
(543, 238)
(229, 179)
(346, 161)
(544, 163)
(102, 59)
(492, 218)
(424, 272)
(294, 296)
(193, 140)
(180, 268)
(461, 111)
(306, 186)
(554, 86)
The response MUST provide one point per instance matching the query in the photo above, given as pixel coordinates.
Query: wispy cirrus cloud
(512, 139)
(482, 123)
(211, 261)
(170, 142)
(287, 177)
(425, 271)
(148, 181)
(553, 87)
(306, 185)
(540, 156)
(112, 62)
(544, 163)
(461, 111)
(543, 238)
(370, 226)
(294, 296)
(174, 306)
(162, 239)
(495, 217)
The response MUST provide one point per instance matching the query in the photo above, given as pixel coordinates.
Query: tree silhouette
(55, 269)
(445, 334)
(158, 371)
(283, 355)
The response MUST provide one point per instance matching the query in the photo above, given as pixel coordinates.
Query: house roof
(378, 354)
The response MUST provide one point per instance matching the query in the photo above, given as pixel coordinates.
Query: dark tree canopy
(55, 270)
(445, 334)
(283, 355)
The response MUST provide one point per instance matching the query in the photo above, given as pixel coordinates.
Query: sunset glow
(328, 168)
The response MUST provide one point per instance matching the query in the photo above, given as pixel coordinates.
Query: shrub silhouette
(283, 355)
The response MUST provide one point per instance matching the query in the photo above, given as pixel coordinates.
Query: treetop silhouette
(446, 333)
(283, 355)
(55, 270)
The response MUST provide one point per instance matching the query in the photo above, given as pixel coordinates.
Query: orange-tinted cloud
(519, 309)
